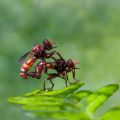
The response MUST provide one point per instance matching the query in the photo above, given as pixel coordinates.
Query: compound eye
(47, 44)
(71, 63)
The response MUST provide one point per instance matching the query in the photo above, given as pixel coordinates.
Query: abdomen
(26, 67)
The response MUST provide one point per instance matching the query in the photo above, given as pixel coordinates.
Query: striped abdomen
(26, 67)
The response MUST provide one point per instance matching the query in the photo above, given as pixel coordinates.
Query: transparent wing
(21, 59)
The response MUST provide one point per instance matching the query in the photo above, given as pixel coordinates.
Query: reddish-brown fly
(61, 66)
(38, 52)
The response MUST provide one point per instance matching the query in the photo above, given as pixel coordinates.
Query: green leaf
(67, 103)
(63, 92)
(81, 94)
(95, 100)
(112, 114)
(45, 101)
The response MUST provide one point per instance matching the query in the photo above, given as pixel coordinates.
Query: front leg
(73, 72)
(50, 55)
(67, 77)
(55, 52)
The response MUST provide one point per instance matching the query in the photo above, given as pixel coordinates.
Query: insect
(38, 52)
(61, 66)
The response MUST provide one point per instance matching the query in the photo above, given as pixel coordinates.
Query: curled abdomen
(26, 67)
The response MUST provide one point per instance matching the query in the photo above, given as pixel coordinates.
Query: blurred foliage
(112, 114)
(85, 30)
(63, 105)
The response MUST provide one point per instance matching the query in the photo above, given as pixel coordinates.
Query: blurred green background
(85, 30)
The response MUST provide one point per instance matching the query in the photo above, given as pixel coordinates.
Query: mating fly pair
(61, 66)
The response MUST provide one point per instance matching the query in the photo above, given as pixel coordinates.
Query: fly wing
(24, 57)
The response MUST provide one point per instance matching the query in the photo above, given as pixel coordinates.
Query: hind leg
(50, 77)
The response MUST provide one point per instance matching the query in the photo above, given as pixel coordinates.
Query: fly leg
(73, 72)
(58, 55)
(67, 77)
(50, 77)
(65, 81)
(50, 55)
